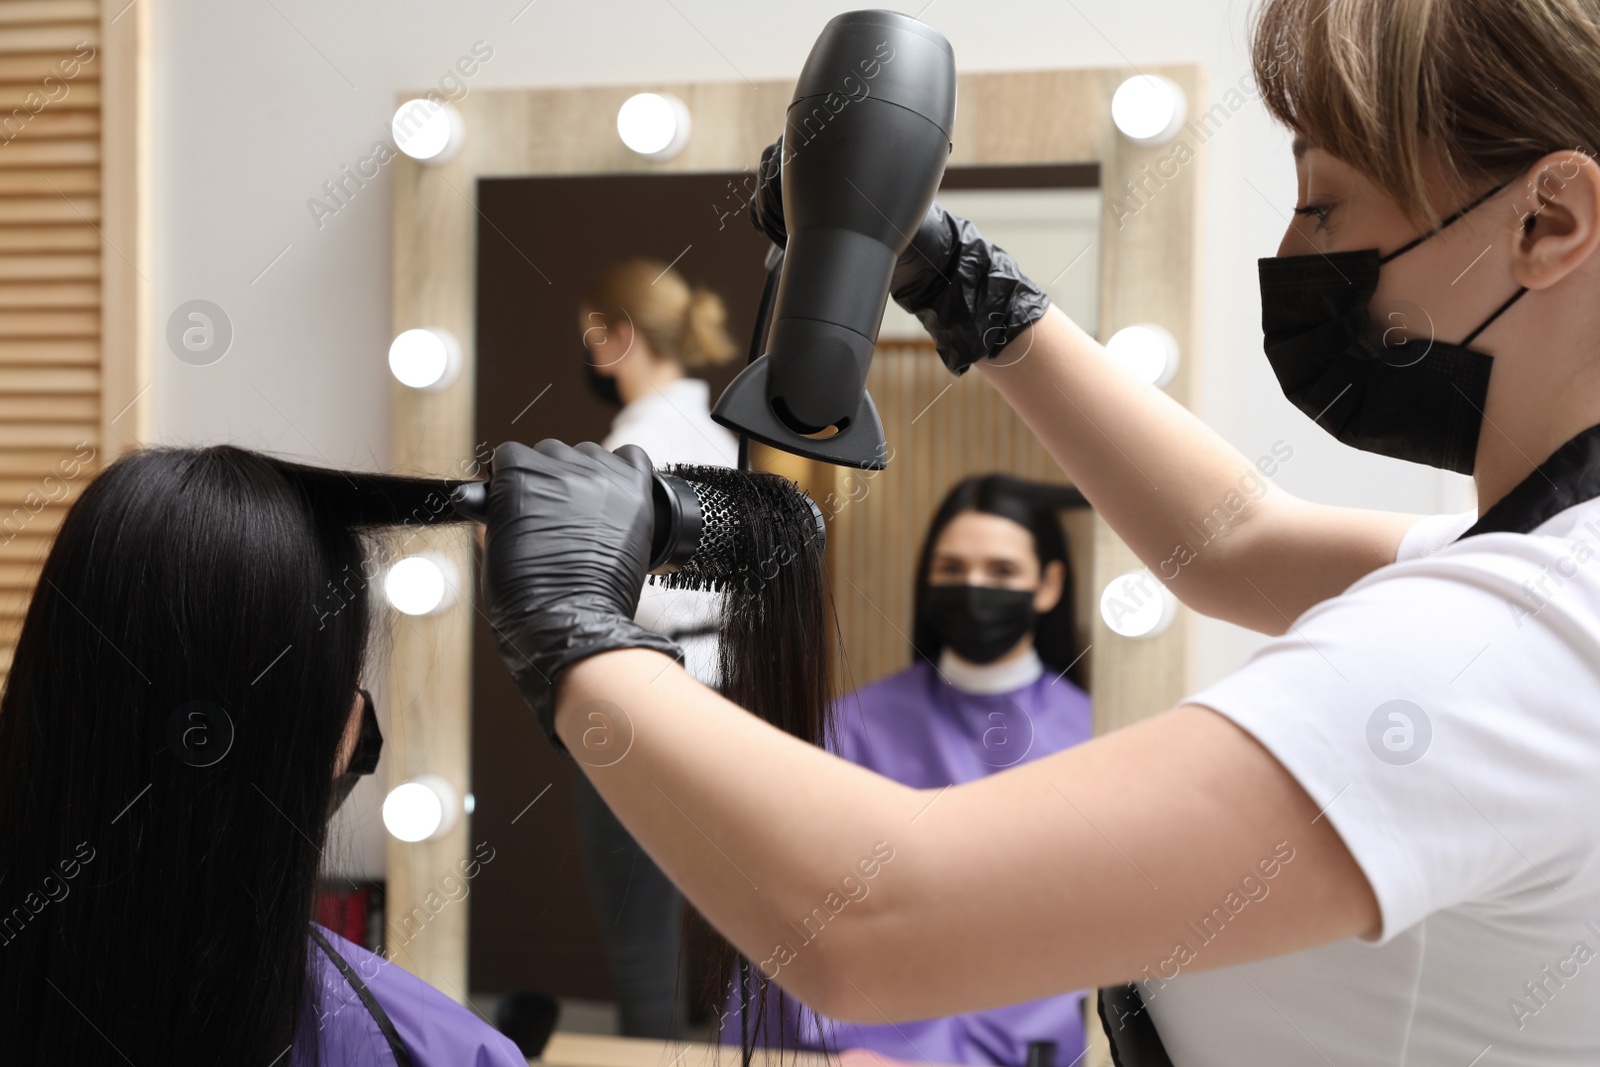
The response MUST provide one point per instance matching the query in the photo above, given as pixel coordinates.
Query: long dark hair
(1033, 506)
(779, 648)
(156, 891)
(780, 644)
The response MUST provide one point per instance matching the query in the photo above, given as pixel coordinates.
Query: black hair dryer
(864, 149)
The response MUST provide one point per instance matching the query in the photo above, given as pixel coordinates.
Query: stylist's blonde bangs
(1493, 85)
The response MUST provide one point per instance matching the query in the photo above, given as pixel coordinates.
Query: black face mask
(603, 386)
(1421, 400)
(364, 760)
(979, 623)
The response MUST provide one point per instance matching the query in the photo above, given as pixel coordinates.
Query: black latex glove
(566, 548)
(966, 291)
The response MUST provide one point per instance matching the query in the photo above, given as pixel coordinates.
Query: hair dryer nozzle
(749, 406)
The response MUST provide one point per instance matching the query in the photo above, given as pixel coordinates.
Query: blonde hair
(683, 323)
(1491, 85)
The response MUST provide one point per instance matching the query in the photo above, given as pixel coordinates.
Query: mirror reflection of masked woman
(645, 330)
(994, 682)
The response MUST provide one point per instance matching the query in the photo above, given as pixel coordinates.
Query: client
(991, 685)
(181, 719)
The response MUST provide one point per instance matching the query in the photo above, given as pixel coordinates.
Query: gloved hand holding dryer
(966, 291)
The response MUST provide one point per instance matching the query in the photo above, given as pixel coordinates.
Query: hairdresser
(991, 685)
(1374, 843)
(645, 329)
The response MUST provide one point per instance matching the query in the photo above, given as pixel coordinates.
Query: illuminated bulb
(422, 809)
(1149, 109)
(1136, 604)
(655, 125)
(428, 131)
(1145, 351)
(418, 585)
(425, 359)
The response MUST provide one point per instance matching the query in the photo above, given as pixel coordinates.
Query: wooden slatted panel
(50, 281)
(940, 430)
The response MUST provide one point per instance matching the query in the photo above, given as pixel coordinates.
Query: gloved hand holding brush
(966, 291)
(565, 555)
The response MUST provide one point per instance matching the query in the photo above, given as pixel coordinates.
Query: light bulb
(1137, 604)
(429, 131)
(428, 360)
(419, 585)
(655, 125)
(1146, 351)
(1149, 109)
(422, 809)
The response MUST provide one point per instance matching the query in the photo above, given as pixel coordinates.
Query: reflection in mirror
(942, 429)
(1053, 234)
(568, 327)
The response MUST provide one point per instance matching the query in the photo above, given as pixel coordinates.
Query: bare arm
(1256, 555)
(1076, 870)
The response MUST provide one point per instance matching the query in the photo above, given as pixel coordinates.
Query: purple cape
(919, 730)
(434, 1029)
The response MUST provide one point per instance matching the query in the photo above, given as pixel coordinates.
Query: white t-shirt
(1431, 533)
(1473, 808)
(673, 425)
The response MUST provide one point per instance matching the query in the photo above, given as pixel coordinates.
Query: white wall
(257, 104)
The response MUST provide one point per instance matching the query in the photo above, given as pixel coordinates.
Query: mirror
(1034, 149)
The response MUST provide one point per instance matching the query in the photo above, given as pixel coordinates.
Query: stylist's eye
(1319, 211)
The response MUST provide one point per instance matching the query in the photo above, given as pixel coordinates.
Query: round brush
(714, 526)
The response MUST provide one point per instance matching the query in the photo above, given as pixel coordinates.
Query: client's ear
(1050, 586)
(1559, 218)
(352, 734)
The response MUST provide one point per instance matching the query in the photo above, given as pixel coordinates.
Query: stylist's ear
(1050, 584)
(1560, 225)
(621, 338)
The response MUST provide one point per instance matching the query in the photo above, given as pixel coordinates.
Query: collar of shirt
(1569, 477)
(683, 395)
(988, 679)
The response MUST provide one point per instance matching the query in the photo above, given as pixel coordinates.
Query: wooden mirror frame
(1149, 259)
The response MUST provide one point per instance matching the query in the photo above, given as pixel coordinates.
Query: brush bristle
(755, 523)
